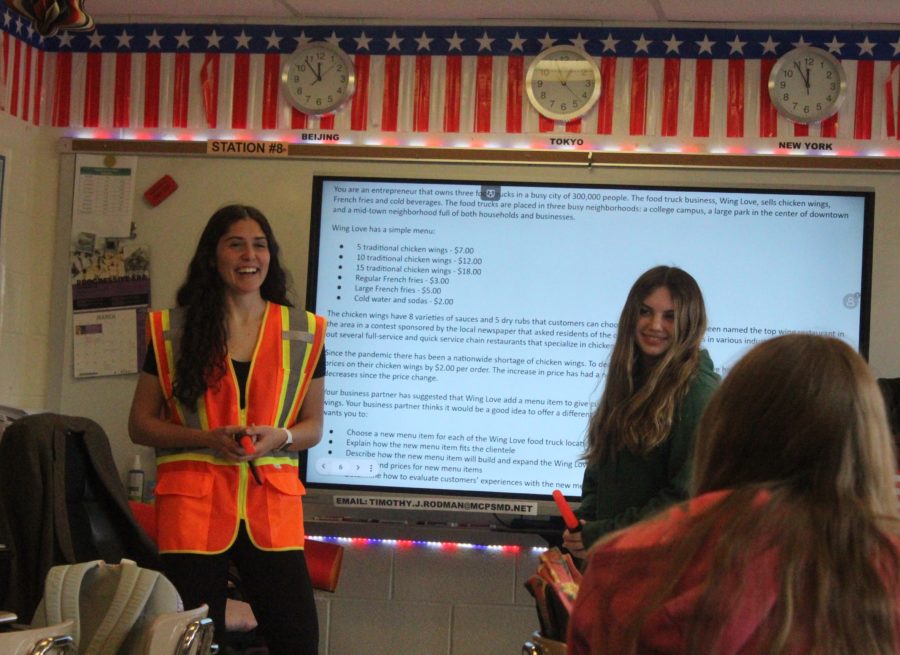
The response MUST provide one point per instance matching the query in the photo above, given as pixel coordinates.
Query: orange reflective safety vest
(200, 498)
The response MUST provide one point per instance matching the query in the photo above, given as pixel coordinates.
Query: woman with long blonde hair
(792, 543)
(640, 436)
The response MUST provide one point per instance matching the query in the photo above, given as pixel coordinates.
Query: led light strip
(416, 543)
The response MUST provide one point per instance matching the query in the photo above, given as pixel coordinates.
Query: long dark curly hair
(201, 360)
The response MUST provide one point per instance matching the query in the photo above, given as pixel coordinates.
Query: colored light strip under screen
(417, 543)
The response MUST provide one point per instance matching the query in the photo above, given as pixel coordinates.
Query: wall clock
(563, 82)
(807, 85)
(318, 78)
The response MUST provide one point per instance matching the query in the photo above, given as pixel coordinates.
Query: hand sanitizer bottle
(136, 480)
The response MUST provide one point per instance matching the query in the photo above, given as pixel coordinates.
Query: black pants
(276, 584)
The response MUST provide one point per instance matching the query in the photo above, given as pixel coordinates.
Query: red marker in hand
(247, 444)
(569, 518)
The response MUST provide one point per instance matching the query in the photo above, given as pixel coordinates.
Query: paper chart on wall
(104, 188)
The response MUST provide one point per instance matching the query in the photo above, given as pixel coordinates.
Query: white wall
(26, 261)
(281, 190)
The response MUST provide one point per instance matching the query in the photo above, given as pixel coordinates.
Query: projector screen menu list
(470, 325)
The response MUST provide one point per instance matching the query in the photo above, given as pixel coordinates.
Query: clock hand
(803, 77)
(565, 80)
(572, 91)
(314, 70)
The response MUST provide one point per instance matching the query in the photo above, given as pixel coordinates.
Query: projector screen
(471, 322)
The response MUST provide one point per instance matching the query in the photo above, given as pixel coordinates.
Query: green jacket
(619, 492)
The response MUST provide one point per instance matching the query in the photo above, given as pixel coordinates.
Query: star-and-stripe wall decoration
(683, 84)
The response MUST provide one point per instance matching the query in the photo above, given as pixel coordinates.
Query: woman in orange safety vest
(235, 360)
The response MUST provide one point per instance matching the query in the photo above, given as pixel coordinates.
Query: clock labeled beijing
(563, 82)
(807, 85)
(318, 78)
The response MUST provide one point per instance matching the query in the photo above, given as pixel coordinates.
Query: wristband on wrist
(288, 440)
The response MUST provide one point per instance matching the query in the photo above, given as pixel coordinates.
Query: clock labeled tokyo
(318, 78)
(563, 82)
(807, 85)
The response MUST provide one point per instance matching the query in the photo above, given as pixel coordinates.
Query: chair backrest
(112, 605)
(38, 641)
(61, 501)
(180, 633)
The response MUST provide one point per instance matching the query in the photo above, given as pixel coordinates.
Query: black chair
(61, 502)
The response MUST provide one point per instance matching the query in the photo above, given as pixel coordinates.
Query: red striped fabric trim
(209, 87)
(671, 94)
(240, 90)
(299, 120)
(484, 72)
(122, 94)
(422, 94)
(271, 77)
(702, 96)
(39, 88)
(26, 90)
(93, 77)
(152, 73)
(452, 93)
(326, 122)
(515, 87)
(391, 100)
(4, 69)
(62, 90)
(640, 74)
(607, 95)
(14, 91)
(768, 115)
(890, 116)
(182, 90)
(734, 121)
(862, 119)
(546, 124)
(359, 109)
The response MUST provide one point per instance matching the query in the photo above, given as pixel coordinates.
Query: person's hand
(224, 441)
(266, 438)
(573, 542)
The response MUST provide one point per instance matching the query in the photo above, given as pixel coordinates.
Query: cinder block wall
(427, 600)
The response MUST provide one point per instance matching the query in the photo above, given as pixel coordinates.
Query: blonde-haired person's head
(639, 400)
(792, 543)
(690, 312)
(803, 413)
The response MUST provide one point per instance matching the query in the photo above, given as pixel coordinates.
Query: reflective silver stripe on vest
(297, 335)
(164, 452)
(299, 342)
(173, 335)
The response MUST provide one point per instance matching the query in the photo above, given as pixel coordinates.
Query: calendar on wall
(110, 298)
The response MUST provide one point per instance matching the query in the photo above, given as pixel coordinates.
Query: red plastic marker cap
(568, 515)
(247, 444)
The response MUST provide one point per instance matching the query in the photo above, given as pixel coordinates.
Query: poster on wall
(110, 298)
(104, 190)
